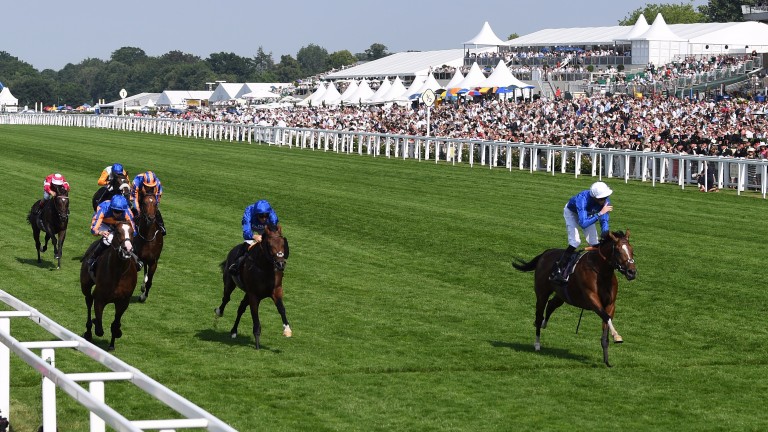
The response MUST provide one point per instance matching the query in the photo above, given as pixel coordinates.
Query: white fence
(93, 399)
(738, 173)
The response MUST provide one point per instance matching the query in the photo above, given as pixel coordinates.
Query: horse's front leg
(99, 313)
(149, 273)
(240, 311)
(253, 300)
(604, 344)
(88, 304)
(45, 245)
(115, 329)
(277, 297)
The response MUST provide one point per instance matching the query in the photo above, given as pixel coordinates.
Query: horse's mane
(605, 238)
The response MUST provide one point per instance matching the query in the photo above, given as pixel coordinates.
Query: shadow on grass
(554, 352)
(46, 264)
(224, 337)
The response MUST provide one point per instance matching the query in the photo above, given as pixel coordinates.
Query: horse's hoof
(618, 339)
(537, 346)
(233, 335)
(287, 332)
(111, 348)
(217, 312)
(142, 298)
(87, 336)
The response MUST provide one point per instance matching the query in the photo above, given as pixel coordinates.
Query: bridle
(613, 260)
(145, 216)
(277, 260)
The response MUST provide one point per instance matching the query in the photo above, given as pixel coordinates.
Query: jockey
(141, 184)
(109, 213)
(255, 220)
(584, 210)
(55, 179)
(108, 173)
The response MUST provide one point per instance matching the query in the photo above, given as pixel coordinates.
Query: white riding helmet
(57, 179)
(600, 190)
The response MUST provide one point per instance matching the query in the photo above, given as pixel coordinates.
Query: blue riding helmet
(118, 203)
(117, 168)
(263, 206)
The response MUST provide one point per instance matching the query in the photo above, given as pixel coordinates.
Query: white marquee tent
(486, 36)
(380, 92)
(8, 102)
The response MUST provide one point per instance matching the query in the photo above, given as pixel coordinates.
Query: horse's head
(123, 234)
(120, 184)
(615, 247)
(61, 206)
(148, 206)
(275, 247)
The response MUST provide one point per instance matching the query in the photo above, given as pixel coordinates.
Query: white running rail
(93, 399)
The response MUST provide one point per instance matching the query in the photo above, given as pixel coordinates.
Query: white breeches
(572, 227)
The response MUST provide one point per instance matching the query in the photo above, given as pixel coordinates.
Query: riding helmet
(262, 206)
(57, 179)
(117, 168)
(150, 179)
(118, 203)
(600, 190)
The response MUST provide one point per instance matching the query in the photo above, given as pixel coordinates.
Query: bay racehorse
(114, 279)
(52, 220)
(149, 239)
(260, 276)
(592, 284)
(119, 184)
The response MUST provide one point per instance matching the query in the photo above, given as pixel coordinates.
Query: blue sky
(50, 34)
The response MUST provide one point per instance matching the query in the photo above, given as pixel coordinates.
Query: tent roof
(6, 98)
(571, 36)
(659, 31)
(457, 78)
(430, 83)
(502, 77)
(486, 36)
(331, 95)
(251, 87)
(640, 27)
(396, 91)
(177, 97)
(383, 89)
(315, 97)
(473, 79)
(226, 92)
(362, 93)
(139, 100)
(406, 64)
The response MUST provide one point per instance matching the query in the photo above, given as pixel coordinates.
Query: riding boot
(100, 247)
(557, 271)
(159, 218)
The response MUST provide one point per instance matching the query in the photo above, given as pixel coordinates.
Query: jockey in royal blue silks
(584, 210)
(256, 217)
(107, 215)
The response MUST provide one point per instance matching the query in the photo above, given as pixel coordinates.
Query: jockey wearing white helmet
(584, 210)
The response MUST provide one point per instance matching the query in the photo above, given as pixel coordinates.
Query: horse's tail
(222, 265)
(521, 265)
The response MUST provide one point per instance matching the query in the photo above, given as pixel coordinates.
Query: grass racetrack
(406, 312)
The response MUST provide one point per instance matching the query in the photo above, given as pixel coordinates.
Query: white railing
(737, 173)
(93, 398)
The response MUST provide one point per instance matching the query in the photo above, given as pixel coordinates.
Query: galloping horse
(118, 185)
(592, 285)
(261, 276)
(115, 281)
(52, 219)
(149, 240)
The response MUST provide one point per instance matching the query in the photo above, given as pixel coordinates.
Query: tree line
(132, 69)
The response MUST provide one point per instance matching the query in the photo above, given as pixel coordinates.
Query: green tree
(376, 51)
(34, 88)
(73, 94)
(12, 68)
(129, 55)
(513, 36)
(313, 59)
(184, 76)
(288, 70)
(231, 64)
(673, 14)
(341, 58)
(177, 57)
(724, 10)
(262, 61)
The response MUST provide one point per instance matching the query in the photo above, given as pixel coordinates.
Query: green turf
(406, 312)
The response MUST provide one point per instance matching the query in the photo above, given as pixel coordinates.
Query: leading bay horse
(53, 220)
(115, 281)
(592, 285)
(149, 239)
(260, 276)
(119, 184)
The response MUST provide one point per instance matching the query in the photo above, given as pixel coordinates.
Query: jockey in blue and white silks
(256, 217)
